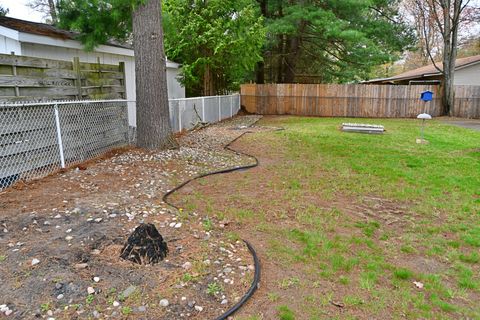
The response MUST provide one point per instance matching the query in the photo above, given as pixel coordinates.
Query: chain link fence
(38, 138)
(186, 113)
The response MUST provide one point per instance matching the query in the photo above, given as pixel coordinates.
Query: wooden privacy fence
(467, 102)
(355, 100)
(26, 78)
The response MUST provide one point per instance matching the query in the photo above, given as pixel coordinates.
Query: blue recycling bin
(427, 96)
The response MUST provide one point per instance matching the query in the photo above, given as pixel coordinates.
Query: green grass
(403, 274)
(284, 313)
(317, 211)
(214, 288)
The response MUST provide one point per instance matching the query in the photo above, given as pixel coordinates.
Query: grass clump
(214, 288)
(284, 313)
(403, 274)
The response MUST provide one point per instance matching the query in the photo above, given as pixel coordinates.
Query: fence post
(121, 68)
(14, 72)
(78, 74)
(219, 109)
(203, 109)
(180, 115)
(231, 106)
(59, 137)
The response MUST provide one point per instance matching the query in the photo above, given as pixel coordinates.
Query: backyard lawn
(354, 226)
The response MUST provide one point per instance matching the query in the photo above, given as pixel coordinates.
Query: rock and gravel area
(61, 236)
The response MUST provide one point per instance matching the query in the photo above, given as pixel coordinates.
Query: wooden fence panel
(355, 100)
(27, 78)
(467, 102)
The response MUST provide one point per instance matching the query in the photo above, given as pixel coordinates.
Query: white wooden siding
(8, 46)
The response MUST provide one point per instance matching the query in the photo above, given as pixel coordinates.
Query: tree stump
(145, 245)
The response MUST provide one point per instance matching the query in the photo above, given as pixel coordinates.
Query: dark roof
(429, 70)
(43, 29)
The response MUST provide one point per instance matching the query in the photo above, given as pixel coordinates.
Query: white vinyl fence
(38, 138)
(185, 113)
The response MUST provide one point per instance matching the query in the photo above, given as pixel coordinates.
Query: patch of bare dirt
(61, 237)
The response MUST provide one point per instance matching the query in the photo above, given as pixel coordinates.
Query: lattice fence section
(38, 138)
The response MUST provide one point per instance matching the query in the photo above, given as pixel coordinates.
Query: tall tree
(218, 42)
(330, 40)
(442, 21)
(47, 7)
(445, 17)
(99, 20)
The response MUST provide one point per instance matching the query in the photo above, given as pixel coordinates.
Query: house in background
(25, 38)
(467, 72)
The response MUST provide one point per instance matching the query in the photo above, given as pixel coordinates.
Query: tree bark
(153, 119)
(260, 67)
(260, 72)
(291, 58)
(208, 82)
(53, 11)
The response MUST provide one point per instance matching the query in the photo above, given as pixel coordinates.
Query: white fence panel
(187, 112)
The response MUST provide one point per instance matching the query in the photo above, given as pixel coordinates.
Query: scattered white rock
(35, 261)
(178, 225)
(96, 279)
(187, 265)
(8, 312)
(60, 296)
(164, 303)
(68, 238)
(198, 308)
(224, 301)
(90, 290)
(419, 285)
(116, 304)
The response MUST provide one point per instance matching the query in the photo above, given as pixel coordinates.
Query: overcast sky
(18, 9)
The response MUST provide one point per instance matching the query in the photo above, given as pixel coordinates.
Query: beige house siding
(469, 76)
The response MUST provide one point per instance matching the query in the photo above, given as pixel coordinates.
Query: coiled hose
(256, 261)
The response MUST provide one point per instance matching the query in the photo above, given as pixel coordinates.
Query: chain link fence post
(59, 136)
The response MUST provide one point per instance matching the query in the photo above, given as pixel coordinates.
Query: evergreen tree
(218, 42)
(330, 40)
(100, 20)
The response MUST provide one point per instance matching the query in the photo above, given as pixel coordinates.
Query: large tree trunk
(260, 72)
(208, 82)
(153, 118)
(260, 67)
(292, 58)
(53, 11)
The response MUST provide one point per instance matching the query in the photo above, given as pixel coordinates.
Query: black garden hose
(256, 278)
